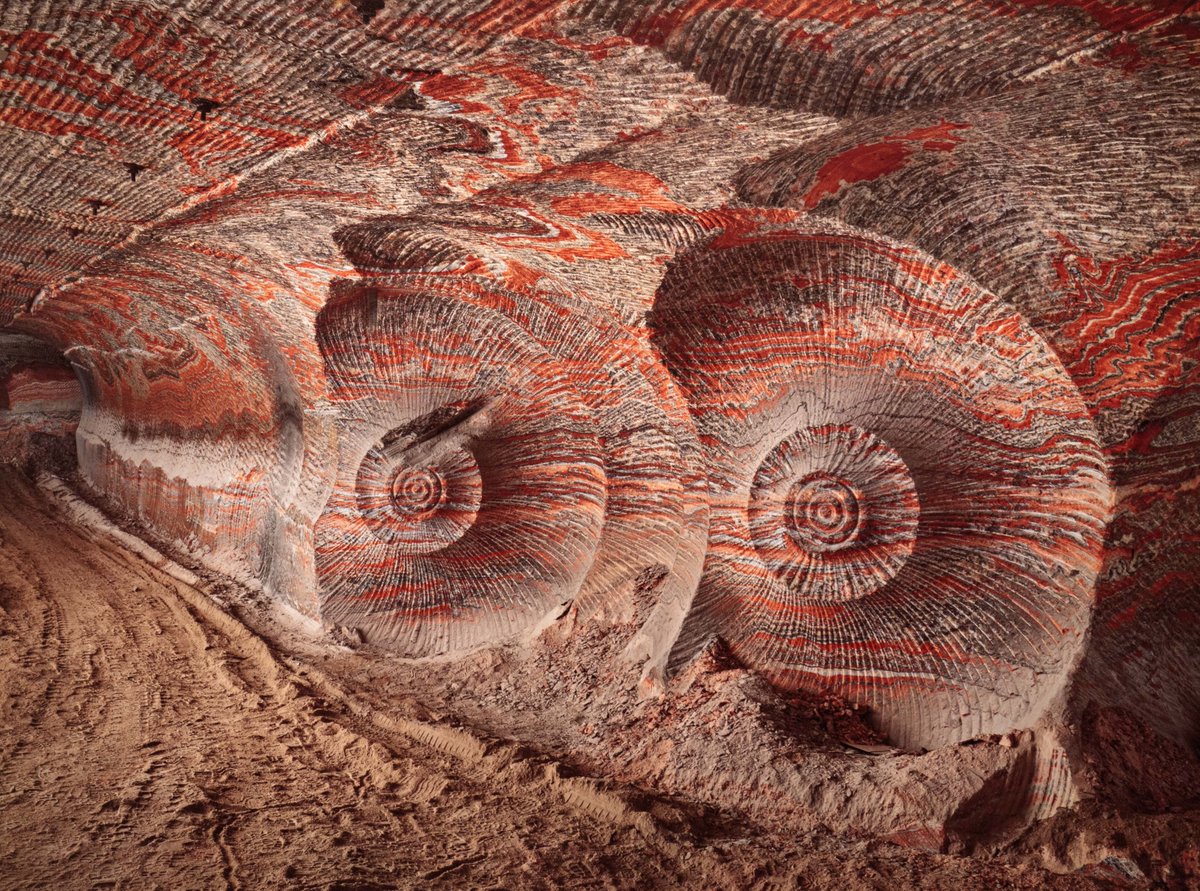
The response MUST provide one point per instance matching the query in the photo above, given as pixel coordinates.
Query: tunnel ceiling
(861, 337)
(118, 115)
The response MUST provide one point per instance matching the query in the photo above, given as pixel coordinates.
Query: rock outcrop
(863, 337)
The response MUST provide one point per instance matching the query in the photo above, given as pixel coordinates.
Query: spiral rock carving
(417, 503)
(886, 444)
(470, 451)
(425, 491)
(833, 512)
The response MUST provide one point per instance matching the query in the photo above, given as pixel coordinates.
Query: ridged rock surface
(1079, 205)
(886, 443)
(860, 338)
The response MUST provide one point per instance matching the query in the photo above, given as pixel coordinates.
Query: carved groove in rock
(908, 502)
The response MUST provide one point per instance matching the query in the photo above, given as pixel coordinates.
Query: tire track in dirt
(140, 717)
(151, 737)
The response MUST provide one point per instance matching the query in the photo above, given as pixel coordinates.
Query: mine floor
(152, 737)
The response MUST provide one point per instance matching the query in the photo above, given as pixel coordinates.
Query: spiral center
(417, 492)
(825, 513)
(833, 512)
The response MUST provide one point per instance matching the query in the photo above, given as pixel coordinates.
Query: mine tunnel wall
(579, 272)
(41, 399)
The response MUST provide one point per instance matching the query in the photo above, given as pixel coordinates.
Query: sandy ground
(152, 736)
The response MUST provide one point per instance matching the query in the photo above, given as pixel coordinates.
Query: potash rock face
(40, 400)
(862, 337)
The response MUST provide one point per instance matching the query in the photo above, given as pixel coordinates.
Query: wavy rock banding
(886, 443)
(862, 336)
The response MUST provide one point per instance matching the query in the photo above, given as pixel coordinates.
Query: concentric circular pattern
(418, 508)
(655, 506)
(907, 497)
(418, 492)
(824, 513)
(472, 492)
(833, 512)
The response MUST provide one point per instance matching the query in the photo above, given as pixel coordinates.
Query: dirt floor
(156, 733)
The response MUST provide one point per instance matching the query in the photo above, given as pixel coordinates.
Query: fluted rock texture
(885, 445)
(864, 337)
